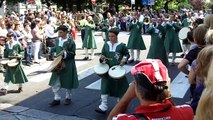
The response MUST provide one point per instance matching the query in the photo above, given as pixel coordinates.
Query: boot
(131, 59)
(138, 55)
(103, 106)
(4, 91)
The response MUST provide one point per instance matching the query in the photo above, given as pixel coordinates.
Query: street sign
(148, 2)
(144, 2)
(93, 2)
(132, 2)
(151, 2)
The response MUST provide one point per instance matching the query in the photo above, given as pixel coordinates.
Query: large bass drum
(117, 72)
(101, 69)
(183, 33)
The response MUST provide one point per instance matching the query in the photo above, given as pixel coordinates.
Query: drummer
(14, 74)
(66, 78)
(114, 53)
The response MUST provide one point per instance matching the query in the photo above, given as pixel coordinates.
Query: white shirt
(49, 31)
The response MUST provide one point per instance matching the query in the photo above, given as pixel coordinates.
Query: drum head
(13, 63)
(183, 33)
(4, 61)
(117, 72)
(54, 63)
(101, 68)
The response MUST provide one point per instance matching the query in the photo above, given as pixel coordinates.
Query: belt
(51, 38)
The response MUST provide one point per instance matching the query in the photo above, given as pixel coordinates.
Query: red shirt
(160, 111)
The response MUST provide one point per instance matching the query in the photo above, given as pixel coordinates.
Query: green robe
(68, 76)
(105, 33)
(135, 39)
(16, 74)
(110, 86)
(89, 39)
(157, 49)
(171, 42)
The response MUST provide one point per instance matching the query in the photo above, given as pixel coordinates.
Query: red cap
(150, 72)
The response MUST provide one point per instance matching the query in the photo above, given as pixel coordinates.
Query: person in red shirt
(151, 87)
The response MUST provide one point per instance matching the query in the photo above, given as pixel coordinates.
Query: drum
(117, 72)
(13, 63)
(4, 61)
(55, 66)
(101, 68)
(183, 33)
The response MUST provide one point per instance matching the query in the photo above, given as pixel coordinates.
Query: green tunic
(110, 86)
(157, 49)
(171, 42)
(68, 76)
(105, 31)
(16, 74)
(135, 39)
(89, 39)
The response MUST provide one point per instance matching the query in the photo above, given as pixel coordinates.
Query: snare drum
(13, 63)
(117, 72)
(101, 68)
(4, 61)
(183, 33)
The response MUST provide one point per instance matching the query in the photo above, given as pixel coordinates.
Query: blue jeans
(28, 52)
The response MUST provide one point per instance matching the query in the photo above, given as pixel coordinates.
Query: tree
(198, 4)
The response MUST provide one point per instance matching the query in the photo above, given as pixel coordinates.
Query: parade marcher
(135, 41)
(185, 43)
(89, 39)
(83, 23)
(67, 77)
(105, 30)
(157, 49)
(115, 53)
(171, 42)
(151, 88)
(14, 74)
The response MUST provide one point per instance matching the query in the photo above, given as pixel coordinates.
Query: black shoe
(98, 110)
(130, 61)
(3, 91)
(55, 103)
(67, 102)
(20, 90)
(86, 58)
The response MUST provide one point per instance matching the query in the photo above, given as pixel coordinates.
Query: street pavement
(33, 103)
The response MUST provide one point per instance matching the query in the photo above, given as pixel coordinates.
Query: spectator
(204, 110)
(151, 87)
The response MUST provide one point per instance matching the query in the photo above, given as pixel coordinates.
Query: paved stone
(38, 114)
(3, 113)
(23, 117)
(8, 117)
(63, 117)
(16, 109)
(4, 106)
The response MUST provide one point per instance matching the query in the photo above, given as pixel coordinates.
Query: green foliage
(209, 5)
(184, 5)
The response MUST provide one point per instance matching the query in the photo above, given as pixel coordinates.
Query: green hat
(115, 30)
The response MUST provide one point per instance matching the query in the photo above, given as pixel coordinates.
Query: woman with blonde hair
(204, 110)
(208, 21)
(209, 37)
